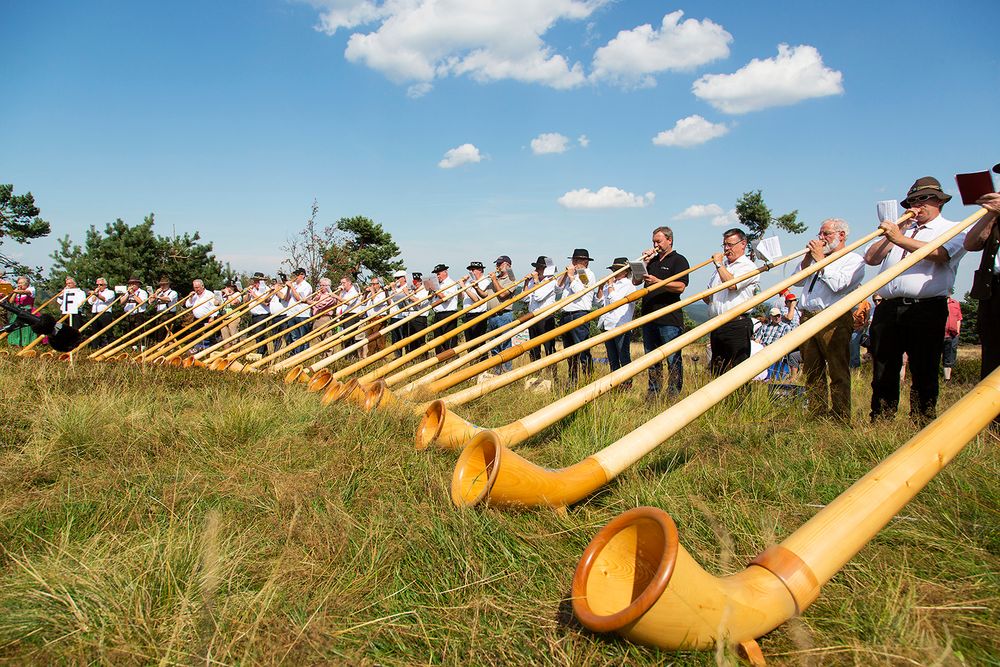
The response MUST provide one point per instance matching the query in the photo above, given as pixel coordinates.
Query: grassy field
(181, 516)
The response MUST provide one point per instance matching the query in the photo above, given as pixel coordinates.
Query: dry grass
(183, 516)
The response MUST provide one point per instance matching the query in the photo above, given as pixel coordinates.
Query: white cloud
(418, 90)
(690, 131)
(419, 41)
(634, 56)
(797, 73)
(583, 141)
(727, 219)
(695, 211)
(549, 142)
(606, 197)
(456, 157)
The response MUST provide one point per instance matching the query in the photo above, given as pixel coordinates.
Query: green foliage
(368, 250)
(310, 248)
(969, 333)
(757, 217)
(19, 221)
(121, 251)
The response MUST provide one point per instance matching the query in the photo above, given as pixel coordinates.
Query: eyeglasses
(727, 246)
(830, 233)
(919, 199)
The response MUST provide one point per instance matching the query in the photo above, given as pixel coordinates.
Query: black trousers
(476, 330)
(988, 323)
(445, 329)
(914, 329)
(536, 330)
(415, 326)
(576, 335)
(730, 344)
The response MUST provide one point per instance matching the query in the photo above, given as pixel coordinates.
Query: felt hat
(927, 185)
(475, 265)
(438, 268)
(620, 262)
(581, 253)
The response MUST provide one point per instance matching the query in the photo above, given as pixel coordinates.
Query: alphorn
(210, 327)
(444, 428)
(325, 376)
(110, 324)
(636, 579)
(487, 471)
(378, 393)
(133, 337)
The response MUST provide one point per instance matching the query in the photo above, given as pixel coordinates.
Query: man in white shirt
(476, 291)
(134, 304)
(500, 280)
(731, 342)
(260, 312)
(827, 355)
(445, 306)
(70, 300)
(619, 348)
(577, 278)
(913, 313)
(298, 310)
(418, 297)
(539, 299)
(398, 302)
(203, 302)
(101, 299)
(277, 306)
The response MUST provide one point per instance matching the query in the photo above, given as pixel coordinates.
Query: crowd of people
(913, 321)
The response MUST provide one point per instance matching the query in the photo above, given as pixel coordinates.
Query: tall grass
(183, 516)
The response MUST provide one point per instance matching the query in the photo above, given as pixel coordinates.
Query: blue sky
(229, 118)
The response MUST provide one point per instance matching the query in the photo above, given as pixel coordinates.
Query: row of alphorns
(634, 578)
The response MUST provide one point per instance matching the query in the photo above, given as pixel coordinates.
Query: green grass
(181, 516)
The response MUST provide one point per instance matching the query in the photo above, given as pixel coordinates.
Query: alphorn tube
(637, 580)
(483, 344)
(182, 345)
(515, 351)
(487, 471)
(444, 428)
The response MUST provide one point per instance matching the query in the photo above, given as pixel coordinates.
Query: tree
(969, 334)
(369, 248)
(19, 221)
(756, 216)
(310, 248)
(122, 251)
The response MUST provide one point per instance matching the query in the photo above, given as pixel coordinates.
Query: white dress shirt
(258, 290)
(925, 279)
(472, 297)
(727, 299)
(171, 302)
(70, 301)
(616, 291)
(450, 296)
(575, 285)
(203, 304)
(278, 303)
(102, 304)
(822, 289)
(347, 300)
(397, 301)
(132, 301)
(297, 307)
(543, 296)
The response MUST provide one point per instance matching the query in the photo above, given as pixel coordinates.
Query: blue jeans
(855, 361)
(494, 322)
(619, 350)
(572, 337)
(657, 335)
(297, 330)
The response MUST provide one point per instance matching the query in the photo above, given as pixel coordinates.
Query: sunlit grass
(181, 516)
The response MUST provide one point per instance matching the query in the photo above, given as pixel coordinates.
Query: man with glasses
(911, 318)
(101, 299)
(827, 355)
(731, 341)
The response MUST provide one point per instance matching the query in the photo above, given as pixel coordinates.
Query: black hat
(438, 268)
(996, 167)
(417, 275)
(502, 258)
(475, 265)
(581, 253)
(299, 272)
(540, 262)
(258, 276)
(619, 263)
(928, 185)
